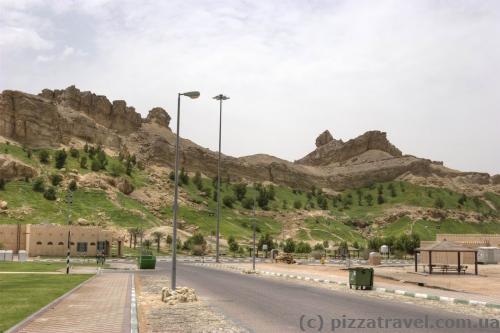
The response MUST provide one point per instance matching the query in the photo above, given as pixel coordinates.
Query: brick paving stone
(100, 305)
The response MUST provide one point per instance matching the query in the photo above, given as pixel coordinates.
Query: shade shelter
(447, 256)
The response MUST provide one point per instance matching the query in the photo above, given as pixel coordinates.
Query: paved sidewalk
(100, 305)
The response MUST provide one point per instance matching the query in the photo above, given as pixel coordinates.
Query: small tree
(44, 156)
(369, 199)
(39, 185)
(83, 162)
(56, 179)
(60, 158)
(289, 246)
(157, 236)
(240, 191)
(228, 201)
(95, 166)
(233, 245)
(303, 247)
(198, 181)
(392, 190)
(380, 199)
(184, 177)
(50, 193)
(74, 152)
(248, 203)
(102, 158)
(169, 240)
(72, 186)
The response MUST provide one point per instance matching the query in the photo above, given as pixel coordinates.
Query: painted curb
(380, 290)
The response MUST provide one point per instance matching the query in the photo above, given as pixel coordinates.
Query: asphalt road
(272, 305)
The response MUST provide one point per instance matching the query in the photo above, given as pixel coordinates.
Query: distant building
(52, 239)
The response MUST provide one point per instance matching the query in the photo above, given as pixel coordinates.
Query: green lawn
(23, 294)
(14, 266)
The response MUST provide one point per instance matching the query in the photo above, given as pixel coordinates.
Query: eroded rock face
(116, 115)
(159, 116)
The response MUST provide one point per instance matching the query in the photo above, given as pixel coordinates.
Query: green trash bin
(361, 277)
(146, 262)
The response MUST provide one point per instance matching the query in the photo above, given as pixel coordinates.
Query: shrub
(102, 158)
(248, 203)
(462, 200)
(289, 246)
(39, 185)
(439, 203)
(44, 156)
(303, 247)
(73, 152)
(72, 186)
(116, 168)
(60, 158)
(2, 184)
(56, 179)
(171, 176)
(322, 202)
(207, 192)
(318, 247)
(50, 193)
(83, 162)
(86, 148)
(240, 191)
(228, 201)
(233, 245)
(297, 204)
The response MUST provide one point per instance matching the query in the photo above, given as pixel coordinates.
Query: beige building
(52, 239)
(471, 240)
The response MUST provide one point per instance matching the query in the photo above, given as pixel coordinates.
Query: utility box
(374, 259)
(147, 262)
(22, 256)
(488, 255)
(361, 277)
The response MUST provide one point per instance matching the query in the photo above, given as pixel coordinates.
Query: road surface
(277, 305)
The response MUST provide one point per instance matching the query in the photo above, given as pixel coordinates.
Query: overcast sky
(425, 72)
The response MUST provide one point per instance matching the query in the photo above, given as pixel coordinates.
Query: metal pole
(218, 186)
(176, 196)
(69, 199)
(254, 227)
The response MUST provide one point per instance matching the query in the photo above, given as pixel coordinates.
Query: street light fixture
(192, 95)
(220, 98)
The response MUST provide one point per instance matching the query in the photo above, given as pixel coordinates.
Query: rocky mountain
(71, 117)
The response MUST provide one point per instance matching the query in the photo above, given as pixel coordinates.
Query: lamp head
(221, 97)
(192, 94)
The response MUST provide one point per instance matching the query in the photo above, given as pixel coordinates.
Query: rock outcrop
(159, 116)
(336, 151)
(13, 169)
(56, 117)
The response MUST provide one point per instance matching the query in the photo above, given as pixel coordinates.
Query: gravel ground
(156, 316)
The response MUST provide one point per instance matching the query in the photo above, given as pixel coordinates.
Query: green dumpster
(361, 277)
(146, 261)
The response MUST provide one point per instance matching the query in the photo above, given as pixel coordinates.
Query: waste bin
(147, 262)
(361, 277)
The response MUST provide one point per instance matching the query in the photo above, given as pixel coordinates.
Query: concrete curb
(133, 308)
(26, 320)
(379, 290)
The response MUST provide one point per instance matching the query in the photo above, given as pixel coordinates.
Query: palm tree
(158, 236)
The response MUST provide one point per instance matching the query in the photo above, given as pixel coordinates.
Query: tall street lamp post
(191, 94)
(220, 98)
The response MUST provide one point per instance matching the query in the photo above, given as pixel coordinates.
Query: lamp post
(220, 98)
(192, 95)
(254, 229)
